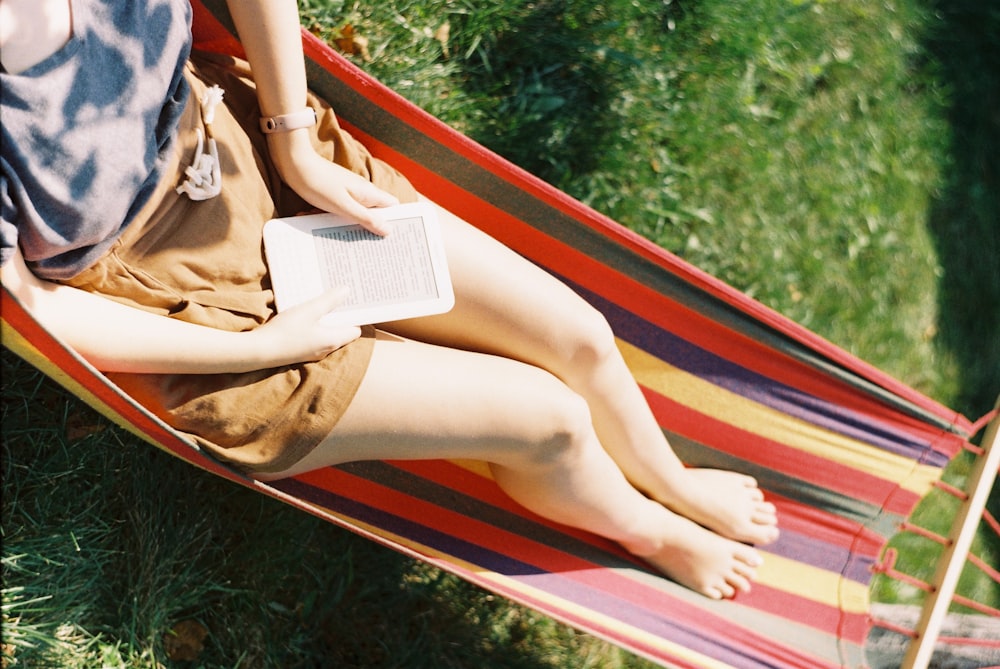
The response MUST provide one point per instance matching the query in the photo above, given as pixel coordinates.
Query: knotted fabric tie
(204, 175)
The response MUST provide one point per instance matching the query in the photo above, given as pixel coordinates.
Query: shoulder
(31, 31)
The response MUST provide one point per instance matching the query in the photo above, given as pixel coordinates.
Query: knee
(568, 429)
(591, 342)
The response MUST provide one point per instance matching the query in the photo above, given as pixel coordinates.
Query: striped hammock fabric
(844, 450)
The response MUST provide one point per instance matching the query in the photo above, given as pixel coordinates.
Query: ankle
(660, 528)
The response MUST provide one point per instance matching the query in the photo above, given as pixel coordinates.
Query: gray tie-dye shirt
(87, 131)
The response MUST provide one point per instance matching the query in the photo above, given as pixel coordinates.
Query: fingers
(326, 302)
(319, 307)
(334, 188)
(360, 201)
(369, 195)
(344, 335)
(303, 327)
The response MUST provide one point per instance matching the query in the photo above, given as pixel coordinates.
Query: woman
(132, 207)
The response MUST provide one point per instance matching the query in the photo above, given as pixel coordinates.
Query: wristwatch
(286, 122)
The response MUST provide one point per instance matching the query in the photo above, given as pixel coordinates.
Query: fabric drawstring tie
(204, 175)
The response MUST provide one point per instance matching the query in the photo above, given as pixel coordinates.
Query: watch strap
(286, 122)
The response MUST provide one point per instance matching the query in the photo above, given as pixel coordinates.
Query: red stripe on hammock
(573, 569)
(851, 627)
(210, 35)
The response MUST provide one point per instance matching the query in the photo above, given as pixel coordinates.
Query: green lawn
(836, 160)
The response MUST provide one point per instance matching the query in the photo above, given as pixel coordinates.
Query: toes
(722, 590)
(763, 515)
(728, 591)
(728, 588)
(763, 519)
(739, 584)
(713, 593)
(749, 557)
(745, 572)
(766, 533)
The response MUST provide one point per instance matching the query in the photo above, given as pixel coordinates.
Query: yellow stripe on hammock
(709, 399)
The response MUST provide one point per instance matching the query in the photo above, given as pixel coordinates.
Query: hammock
(845, 451)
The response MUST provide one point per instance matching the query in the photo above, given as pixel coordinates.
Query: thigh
(505, 304)
(422, 401)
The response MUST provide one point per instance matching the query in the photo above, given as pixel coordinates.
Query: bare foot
(699, 559)
(725, 502)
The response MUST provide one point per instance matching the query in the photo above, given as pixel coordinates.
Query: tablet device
(401, 275)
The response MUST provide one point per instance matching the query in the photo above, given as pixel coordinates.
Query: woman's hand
(115, 337)
(271, 36)
(326, 185)
(300, 335)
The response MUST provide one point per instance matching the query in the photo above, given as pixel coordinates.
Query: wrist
(258, 350)
(289, 149)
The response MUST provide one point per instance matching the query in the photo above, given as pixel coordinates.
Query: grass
(835, 160)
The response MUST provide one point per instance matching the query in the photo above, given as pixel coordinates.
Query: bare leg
(420, 401)
(509, 307)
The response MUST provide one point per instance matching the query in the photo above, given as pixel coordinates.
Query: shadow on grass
(965, 219)
(550, 81)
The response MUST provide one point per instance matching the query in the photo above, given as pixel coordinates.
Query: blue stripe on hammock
(691, 358)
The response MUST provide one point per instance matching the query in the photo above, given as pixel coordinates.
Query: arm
(271, 36)
(118, 338)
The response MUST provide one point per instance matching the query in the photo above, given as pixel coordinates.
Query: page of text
(377, 270)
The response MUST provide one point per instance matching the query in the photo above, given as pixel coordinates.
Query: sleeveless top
(87, 132)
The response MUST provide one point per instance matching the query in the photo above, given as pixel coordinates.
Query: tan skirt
(203, 262)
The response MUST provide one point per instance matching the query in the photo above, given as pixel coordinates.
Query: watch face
(300, 119)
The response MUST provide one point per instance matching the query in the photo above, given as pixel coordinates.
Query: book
(401, 275)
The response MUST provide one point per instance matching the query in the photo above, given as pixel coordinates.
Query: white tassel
(210, 99)
(204, 176)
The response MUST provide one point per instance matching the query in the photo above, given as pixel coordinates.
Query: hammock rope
(926, 634)
(972, 516)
